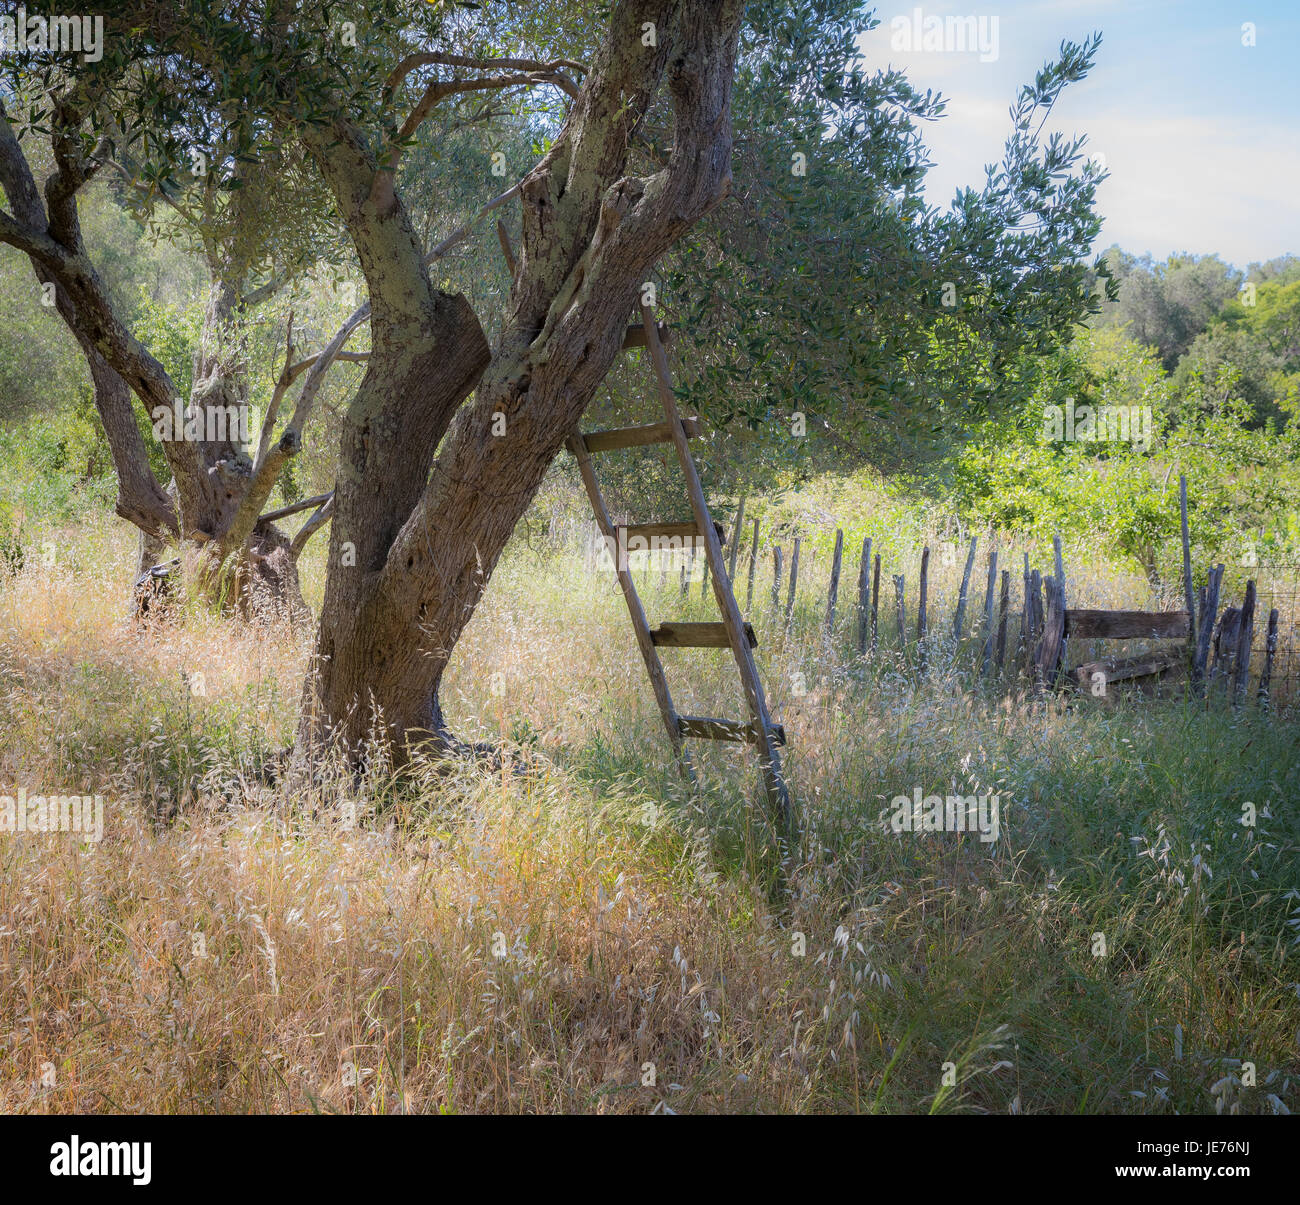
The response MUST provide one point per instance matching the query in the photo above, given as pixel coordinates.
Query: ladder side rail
(778, 795)
(641, 627)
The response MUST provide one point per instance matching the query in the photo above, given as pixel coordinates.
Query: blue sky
(1201, 134)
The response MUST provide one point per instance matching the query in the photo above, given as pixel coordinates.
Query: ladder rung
(703, 728)
(697, 636)
(672, 531)
(637, 437)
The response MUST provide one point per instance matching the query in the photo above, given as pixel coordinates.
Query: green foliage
(40, 361)
(825, 286)
(172, 333)
(53, 467)
(1241, 479)
(1251, 351)
(1167, 304)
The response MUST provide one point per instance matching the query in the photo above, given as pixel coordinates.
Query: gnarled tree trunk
(212, 477)
(415, 539)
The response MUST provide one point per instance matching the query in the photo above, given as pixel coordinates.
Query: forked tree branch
(273, 408)
(522, 73)
(294, 508)
(313, 525)
(350, 357)
(439, 90)
(271, 461)
(413, 62)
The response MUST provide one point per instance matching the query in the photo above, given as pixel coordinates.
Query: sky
(1200, 133)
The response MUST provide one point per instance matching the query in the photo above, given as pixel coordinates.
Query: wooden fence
(1206, 645)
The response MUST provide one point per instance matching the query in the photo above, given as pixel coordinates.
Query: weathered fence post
(1188, 595)
(1060, 590)
(835, 582)
(1038, 612)
(735, 544)
(921, 605)
(1244, 642)
(1048, 660)
(1004, 601)
(864, 595)
(1270, 648)
(875, 605)
(753, 565)
(794, 578)
(1205, 627)
(776, 578)
(1226, 640)
(898, 599)
(988, 611)
(961, 595)
(1022, 652)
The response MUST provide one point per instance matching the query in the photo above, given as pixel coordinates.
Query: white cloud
(1194, 185)
(1177, 183)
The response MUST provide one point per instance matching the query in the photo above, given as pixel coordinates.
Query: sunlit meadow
(569, 930)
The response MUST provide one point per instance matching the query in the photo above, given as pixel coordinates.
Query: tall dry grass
(574, 933)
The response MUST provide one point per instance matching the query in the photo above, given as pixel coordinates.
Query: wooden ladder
(732, 632)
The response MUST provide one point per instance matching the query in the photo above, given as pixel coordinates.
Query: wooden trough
(1217, 647)
(1128, 625)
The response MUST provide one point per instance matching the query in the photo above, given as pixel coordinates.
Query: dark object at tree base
(153, 590)
(265, 587)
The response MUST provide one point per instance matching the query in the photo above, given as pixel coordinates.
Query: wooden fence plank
(665, 531)
(898, 599)
(1122, 669)
(703, 727)
(697, 636)
(1081, 624)
(635, 336)
(636, 437)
